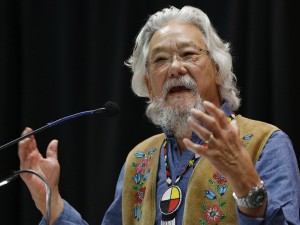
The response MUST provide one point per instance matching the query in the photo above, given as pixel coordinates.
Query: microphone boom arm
(51, 124)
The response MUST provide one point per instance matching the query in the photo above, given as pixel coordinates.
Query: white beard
(173, 118)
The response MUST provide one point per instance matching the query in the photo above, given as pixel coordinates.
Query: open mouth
(178, 89)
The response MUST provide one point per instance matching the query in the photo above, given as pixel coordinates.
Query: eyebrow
(179, 46)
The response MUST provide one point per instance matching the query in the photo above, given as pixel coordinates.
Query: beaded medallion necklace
(172, 197)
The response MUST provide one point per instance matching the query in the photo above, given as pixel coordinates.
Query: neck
(180, 143)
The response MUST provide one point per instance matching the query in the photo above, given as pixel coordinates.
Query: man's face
(177, 50)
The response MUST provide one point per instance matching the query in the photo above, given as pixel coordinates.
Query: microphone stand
(48, 190)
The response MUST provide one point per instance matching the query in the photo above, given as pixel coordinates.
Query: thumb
(52, 149)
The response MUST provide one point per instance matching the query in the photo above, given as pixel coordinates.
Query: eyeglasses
(163, 60)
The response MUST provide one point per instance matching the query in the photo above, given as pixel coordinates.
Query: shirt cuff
(68, 216)
(246, 220)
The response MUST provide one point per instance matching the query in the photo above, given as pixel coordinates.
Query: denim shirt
(277, 166)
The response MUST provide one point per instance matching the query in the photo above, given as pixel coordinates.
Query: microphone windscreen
(111, 108)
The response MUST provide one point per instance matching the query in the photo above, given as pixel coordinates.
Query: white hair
(219, 50)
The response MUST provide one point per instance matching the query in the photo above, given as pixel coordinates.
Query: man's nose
(177, 67)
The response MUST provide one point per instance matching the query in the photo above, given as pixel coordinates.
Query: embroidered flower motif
(151, 151)
(213, 214)
(141, 176)
(137, 212)
(210, 194)
(248, 137)
(142, 165)
(139, 154)
(146, 175)
(223, 189)
(139, 196)
(137, 178)
(245, 140)
(219, 178)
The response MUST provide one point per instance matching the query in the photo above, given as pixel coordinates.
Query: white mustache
(185, 81)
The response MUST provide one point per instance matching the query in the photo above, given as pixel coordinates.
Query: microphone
(109, 109)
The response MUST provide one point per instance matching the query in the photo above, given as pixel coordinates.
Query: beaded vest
(209, 197)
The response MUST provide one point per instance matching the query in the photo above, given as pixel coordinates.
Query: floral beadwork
(245, 140)
(219, 178)
(213, 212)
(139, 196)
(141, 176)
(142, 166)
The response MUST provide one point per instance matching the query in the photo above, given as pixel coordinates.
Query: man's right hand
(48, 167)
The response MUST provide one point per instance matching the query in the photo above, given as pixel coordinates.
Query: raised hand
(224, 150)
(48, 167)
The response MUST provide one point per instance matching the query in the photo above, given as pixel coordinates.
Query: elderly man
(209, 166)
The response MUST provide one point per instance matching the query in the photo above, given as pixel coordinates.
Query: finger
(27, 130)
(199, 130)
(31, 164)
(25, 147)
(30, 161)
(235, 134)
(52, 149)
(234, 125)
(28, 142)
(210, 123)
(196, 148)
(210, 140)
(217, 113)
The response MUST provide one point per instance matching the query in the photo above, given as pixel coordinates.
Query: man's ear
(219, 81)
(149, 86)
